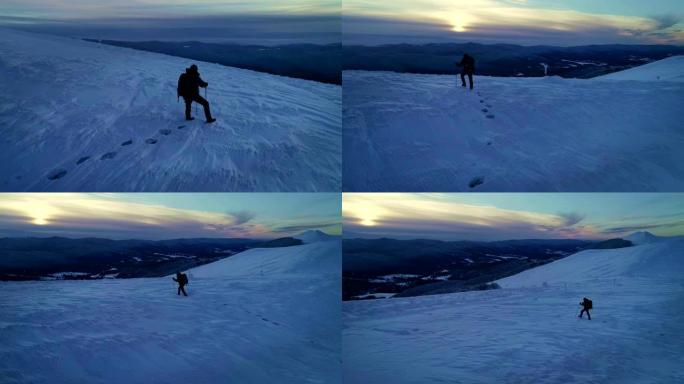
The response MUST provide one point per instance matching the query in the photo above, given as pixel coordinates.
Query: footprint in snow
(165, 131)
(181, 126)
(485, 110)
(476, 181)
(82, 159)
(488, 105)
(108, 155)
(151, 141)
(489, 143)
(57, 174)
(490, 116)
(481, 101)
(125, 143)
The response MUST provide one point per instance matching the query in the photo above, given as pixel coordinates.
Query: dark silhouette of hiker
(182, 280)
(468, 64)
(586, 306)
(189, 84)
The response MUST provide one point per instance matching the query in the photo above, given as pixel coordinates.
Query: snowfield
(262, 316)
(82, 116)
(409, 132)
(529, 332)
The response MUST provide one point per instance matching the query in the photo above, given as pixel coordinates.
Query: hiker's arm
(201, 82)
(174, 279)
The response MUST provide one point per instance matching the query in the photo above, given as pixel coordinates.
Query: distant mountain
(642, 237)
(387, 267)
(94, 258)
(505, 60)
(313, 236)
(320, 63)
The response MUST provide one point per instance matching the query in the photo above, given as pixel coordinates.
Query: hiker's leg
(179, 289)
(588, 315)
(581, 313)
(470, 79)
(204, 103)
(463, 79)
(182, 288)
(188, 107)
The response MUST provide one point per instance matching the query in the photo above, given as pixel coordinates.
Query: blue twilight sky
(168, 215)
(525, 22)
(249, 22)
(494, 216)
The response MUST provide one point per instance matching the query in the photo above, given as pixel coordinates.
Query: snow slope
(410, 132)
(236, 326)
(82, 116)
(670, 69)
(528, 331)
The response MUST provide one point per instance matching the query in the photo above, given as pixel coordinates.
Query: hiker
(182, 280)
(468, 64)
(586, 306)
(189, 84)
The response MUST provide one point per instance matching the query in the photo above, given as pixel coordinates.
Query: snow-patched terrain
(409, 132)
(82, 116)
(263, 316)
(528, 331)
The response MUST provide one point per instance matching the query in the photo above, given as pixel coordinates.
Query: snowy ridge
(528, 332)
(426, 133)
(82, 116)
(670, 69)
(236, 325)
(321, 258)
(662, 259)
(642, 238)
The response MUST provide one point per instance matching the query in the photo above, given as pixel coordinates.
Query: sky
(508, 216)
(267, 22)
(524, 22)
(156, 216)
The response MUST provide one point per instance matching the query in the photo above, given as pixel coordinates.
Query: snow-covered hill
(410, 132)
(670, 69)
(82, 116)
(528, 331)
(238, 324)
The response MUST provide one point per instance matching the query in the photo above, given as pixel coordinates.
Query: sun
(461, 22)
(368, 222)
(40, 221)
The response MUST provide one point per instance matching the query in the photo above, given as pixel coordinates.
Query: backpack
(590, 304)
(184, 278)
(182, 87)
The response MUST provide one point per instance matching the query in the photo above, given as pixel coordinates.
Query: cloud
(499, 21)
(418, 216)
(81, 214)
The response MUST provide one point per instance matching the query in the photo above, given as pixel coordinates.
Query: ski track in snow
(426, 133)
(528, 332)
(243, 322)
(66, 99)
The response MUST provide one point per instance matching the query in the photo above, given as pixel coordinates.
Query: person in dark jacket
(468, 64)
(182, 280)
(586, 306)
(189, 84)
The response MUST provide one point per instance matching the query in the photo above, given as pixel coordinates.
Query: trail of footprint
(476, 181)
(57, 174)
(125, 143)
(82, 159)
(108, 155)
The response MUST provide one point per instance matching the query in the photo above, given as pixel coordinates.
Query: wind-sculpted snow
(236, 326)
(528, 331)
(410, 132)
(82, 116)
